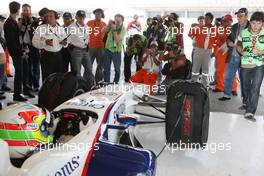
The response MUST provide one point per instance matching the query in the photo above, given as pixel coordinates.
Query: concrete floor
(239, 152)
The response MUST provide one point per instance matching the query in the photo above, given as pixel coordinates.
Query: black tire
(60, 87)
(187, 114)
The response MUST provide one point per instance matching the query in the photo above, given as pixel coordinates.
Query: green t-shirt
(251, 59)
(110, 42)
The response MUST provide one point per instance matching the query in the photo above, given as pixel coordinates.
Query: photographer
(175, 30)
(28, 25)
(79, 44)
(177, 67)
(114, 43)
(157, 32)
(135, 47)
(150, 67)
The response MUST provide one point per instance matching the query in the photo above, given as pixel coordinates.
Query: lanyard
(84, 32)
(254, 39)
(54, 33)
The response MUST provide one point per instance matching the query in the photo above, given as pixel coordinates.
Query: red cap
(228, 18)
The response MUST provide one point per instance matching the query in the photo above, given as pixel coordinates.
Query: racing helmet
(25, 127)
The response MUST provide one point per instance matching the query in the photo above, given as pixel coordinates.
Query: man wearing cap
(66, 56)
(135, 47)
(50, 38)
(114, 44)
(233, 57)
(78, 39)
(96, 43)
(150, 67)
(134, 27)
(221, 53)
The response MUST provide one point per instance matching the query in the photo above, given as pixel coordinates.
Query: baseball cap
(242, 10)
(227, 18)
(81, 13)
(154, 43)
(67, 15)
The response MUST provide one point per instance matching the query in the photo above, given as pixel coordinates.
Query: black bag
(187, 114)
(60, 87)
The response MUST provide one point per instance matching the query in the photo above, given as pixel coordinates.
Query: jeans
(20, 78)
(98, 54)
(2, 75)
(127, 65)
(34, 67)
(231, 68)
(108, 58)
(81, 58)
(252, 80)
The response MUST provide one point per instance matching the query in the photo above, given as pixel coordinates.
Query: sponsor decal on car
(69, 167)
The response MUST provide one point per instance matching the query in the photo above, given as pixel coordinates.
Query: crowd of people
(43, 45)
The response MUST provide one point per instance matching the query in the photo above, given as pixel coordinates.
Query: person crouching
(150, 67)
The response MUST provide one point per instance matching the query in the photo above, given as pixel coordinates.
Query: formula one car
(91, 134)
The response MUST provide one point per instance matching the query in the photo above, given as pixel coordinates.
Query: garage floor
(239, 152)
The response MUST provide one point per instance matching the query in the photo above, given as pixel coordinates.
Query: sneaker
(19, 98)
(29, 94)
(243, 107)
(250, 117)
(234, 93)
(217, 90)
(6, 88)
(224, 98)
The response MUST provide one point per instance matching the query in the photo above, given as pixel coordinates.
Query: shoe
(234, 93)
(5, 88)
(2, 97)
(224, 98)
(2, 93)
(217, 90)
(19, 98)
(243, 107)
(35, 89)
(250, 117)
(29, 94)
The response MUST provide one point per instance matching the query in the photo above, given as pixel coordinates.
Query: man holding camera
(114, 43)
(50, 38)
(150, 67)
(28, 25)
(96, 44)
(135, 47)
(79, 48)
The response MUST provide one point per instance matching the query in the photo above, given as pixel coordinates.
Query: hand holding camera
(49, 42)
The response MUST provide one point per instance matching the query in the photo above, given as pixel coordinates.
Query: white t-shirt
(150, 64)
(1, 49)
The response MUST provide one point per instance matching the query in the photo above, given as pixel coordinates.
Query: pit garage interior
(236, 144)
